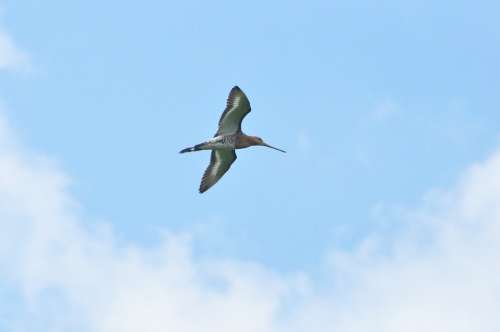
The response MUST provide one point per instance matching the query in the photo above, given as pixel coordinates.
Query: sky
(384, 215)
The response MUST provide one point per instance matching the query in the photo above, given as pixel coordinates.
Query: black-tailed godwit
(227, 138)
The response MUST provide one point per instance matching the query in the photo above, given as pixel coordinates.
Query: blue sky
(378, 103)
(117, 89)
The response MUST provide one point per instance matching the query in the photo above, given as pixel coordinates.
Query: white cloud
(46, 251)
(11, 58)
(439, 272)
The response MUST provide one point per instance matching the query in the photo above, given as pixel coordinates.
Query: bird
(227, 139)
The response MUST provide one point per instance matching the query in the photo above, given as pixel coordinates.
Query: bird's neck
(245, 141)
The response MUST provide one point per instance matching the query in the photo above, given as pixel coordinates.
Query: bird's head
(255, 140)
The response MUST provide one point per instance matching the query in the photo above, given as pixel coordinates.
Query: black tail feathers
(187, 150)
(197, 147)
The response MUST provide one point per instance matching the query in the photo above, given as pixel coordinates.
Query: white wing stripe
(220, 162)
(217, 165)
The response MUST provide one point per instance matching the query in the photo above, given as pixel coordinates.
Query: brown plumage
(244, 141)
(227, 138)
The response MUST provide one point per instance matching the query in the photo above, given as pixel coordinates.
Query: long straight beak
(272, 147)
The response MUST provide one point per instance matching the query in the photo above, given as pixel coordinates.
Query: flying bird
(227, 139)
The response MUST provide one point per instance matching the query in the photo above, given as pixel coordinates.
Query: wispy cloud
(304, 140)
(438, 272)
(11, 58)
(386, 109)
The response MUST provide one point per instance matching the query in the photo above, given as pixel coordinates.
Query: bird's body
(225, 142)
(228, 138)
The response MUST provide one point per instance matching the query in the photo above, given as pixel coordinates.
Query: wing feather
(237, 107)
(220, 162)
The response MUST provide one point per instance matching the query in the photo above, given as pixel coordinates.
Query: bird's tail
(197, 147)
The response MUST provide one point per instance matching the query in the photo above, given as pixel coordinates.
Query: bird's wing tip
(203, 187)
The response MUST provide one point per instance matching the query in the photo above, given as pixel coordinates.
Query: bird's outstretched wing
(237, 108)
(220, 162)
